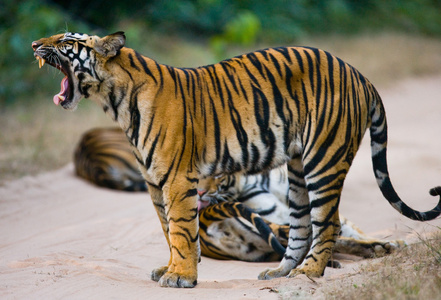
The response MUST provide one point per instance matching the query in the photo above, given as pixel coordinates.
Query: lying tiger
(229, 207)
(298, 106)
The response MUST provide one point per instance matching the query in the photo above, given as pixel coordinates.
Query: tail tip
(436, 191)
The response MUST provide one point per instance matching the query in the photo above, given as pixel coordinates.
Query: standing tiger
(233, 230)
(299, 106)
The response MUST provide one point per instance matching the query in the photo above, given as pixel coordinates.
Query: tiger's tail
(378, 133)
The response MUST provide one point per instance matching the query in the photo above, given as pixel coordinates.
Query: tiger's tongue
(62, 94)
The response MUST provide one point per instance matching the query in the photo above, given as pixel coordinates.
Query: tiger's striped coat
(232, 209)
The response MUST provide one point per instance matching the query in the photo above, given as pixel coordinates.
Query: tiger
(266, 195)
(299, 106)
(103, 156)
(234, 233)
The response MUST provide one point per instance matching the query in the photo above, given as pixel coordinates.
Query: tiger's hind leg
(354, 241)
(350, 241)
(299, 223)
(324, 192)
(367, 248)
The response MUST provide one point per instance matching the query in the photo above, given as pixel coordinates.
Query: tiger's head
(82, 59)
(212, 190)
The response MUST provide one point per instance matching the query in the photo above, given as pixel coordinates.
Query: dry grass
(412, 273)
(39, 136)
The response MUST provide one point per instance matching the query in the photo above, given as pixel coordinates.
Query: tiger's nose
(201, 192)
(35, 45)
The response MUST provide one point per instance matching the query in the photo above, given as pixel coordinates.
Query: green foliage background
(219, 23)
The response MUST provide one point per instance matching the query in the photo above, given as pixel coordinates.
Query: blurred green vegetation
(219, 23)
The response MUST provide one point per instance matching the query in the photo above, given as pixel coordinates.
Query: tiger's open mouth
(66, 92)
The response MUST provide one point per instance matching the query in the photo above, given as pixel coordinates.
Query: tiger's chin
(70, 104)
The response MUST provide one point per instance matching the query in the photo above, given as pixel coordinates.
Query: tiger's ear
(109, 46)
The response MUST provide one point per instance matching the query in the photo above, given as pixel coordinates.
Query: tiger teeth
(61, 97)
(41, 61)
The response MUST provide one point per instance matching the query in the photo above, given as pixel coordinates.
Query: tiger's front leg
(158, 203)
(179, 219)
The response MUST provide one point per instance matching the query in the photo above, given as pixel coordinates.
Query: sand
(63, 238)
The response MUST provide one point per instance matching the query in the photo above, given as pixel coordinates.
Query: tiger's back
(255, 112)
(104, 157)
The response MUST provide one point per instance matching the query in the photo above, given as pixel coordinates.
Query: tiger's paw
(397, 244)
(308, 271)
(158, 273)
(385, 248)
(176, 280)
(273, 273)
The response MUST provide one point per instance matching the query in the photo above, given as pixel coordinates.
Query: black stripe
(251, 76)
(249, 195)
(323, 200)
(135, 120)
(191, 193)
(149, 159)
(299, 214)
(132, 63)
(267, 211)
(299, 60)
(161, 77)
(241, 134)
(179, 252)
(255, 157)
(167, 174)
(217, 142)
(144, 65)
(285, 53)
(186, 220)
(172, 73)
(219, 89)
(252, 57)
(127, 72)
(113, 103)
(230, 76)
(228, 163)
(261, 113)
(276, 64)
(299, 184)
